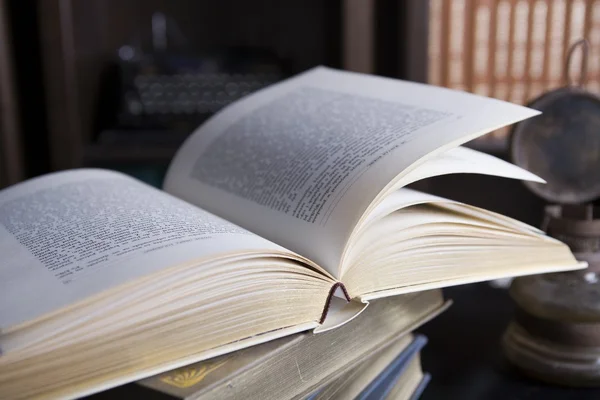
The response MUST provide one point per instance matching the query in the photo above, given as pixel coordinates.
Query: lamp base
(551, 362)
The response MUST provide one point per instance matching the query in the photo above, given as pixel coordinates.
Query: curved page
(300, 162)
(70, 235)
(462, 160)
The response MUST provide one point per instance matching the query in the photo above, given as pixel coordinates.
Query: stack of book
(374, 356)
(285, 254)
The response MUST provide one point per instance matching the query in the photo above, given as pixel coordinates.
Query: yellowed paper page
(70, 235)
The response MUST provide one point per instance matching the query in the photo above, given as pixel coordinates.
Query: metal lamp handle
(585, 48)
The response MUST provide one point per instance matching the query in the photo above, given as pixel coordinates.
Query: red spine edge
(329, 296)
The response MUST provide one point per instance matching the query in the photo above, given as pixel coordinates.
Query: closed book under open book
(299, 365)
(287, 199)
(392, 373)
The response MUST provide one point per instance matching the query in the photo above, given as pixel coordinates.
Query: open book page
(404, 198)
(301, 161)
(454, 161)
(465, 160)
(414, 241)
(69, 235)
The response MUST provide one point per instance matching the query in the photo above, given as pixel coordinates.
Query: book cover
(381, 387)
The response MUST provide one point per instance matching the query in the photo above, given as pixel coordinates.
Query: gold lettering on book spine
(189, 376)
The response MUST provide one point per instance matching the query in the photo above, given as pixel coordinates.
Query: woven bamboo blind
(513, 50)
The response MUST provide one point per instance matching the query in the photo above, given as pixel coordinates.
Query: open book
(285, 212)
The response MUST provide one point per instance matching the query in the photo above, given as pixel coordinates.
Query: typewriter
(174, 89)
